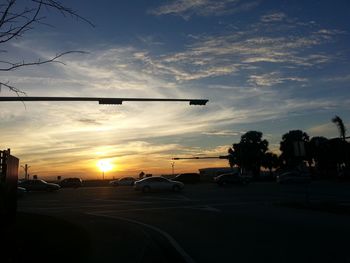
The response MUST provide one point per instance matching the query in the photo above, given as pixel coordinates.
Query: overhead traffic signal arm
(199, 158)
(110, 101)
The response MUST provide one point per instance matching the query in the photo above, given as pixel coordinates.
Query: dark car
(71, 182)
(38, 185)
(231, 178)
(293, 177)
(187, 178)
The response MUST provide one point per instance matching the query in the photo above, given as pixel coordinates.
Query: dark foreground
(261, 222)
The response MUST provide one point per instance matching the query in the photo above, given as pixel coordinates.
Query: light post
(172, 167)
(26, 167)
(104, 166)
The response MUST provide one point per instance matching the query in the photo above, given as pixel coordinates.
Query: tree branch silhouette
(17, 18)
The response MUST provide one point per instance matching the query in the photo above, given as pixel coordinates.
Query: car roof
(152, 177)
(229, 174)
(188, 174)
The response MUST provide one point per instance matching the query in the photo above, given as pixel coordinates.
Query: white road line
(209, 208)
(123, 201)
(182, 198)
(65, 207)
(171, 240)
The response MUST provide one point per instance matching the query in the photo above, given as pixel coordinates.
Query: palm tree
(341, 127)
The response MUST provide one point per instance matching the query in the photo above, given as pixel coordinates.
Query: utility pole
(26, 167)
(172, 167)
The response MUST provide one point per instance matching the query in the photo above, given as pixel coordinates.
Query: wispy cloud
(186, 8)
(223, 133)
(326, 129)
(273, 17)
(271, 79)
(243, 52)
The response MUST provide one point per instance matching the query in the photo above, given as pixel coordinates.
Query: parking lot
(204, 223)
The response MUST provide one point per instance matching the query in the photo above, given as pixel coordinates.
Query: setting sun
(104, 165)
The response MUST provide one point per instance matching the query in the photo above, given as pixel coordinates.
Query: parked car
(71, 182)
(187, 178)
(125, 181)
(157, 183)
(293, 177)
(231, 178)
(21, 191)
(38, 185)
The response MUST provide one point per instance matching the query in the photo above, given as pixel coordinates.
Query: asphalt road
(204, 223)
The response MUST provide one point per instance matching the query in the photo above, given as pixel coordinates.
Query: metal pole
(172, 166)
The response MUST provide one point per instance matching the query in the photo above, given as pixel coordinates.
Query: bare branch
(16, 19)
(12, 88)
(14, 66)
(64, 10)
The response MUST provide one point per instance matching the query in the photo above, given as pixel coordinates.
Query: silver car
(157, 183)
(125, 181)
(38, 185)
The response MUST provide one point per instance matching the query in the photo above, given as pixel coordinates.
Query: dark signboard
(8, 185)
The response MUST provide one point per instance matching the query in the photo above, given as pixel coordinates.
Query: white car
(157, 183)
(125, 181)
(38, 185)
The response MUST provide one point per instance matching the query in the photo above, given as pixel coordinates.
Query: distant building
(207, 174)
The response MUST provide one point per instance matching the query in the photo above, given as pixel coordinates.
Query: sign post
(8, 185)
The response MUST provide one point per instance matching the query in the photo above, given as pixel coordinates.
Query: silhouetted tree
(270, 161)
(318, 151)
(293, 146)
(18, 17)
(341, 127)
(249, 151)
(231, 157)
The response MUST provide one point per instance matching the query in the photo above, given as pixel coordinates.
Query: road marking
(67, 207)
(123, 201)
(209, 208)
(182, 198)
(171, 240)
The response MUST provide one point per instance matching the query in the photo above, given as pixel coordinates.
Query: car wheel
(146, 189)
(176, 188)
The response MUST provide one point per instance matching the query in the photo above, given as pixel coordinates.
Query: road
(205, 223)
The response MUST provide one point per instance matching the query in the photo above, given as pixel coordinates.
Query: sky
(264, 65)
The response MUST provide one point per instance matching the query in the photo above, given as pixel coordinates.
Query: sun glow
(104, 165)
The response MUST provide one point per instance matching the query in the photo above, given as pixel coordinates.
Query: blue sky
(271, 66)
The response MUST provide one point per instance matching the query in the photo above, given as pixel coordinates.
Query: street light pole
(172, 166)
(25, 167)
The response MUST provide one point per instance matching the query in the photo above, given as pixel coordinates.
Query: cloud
(187, 9)
(342, 78)
(327, 130)
(223, 133)
(273, 17)
(271, 79)
(245, 52)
